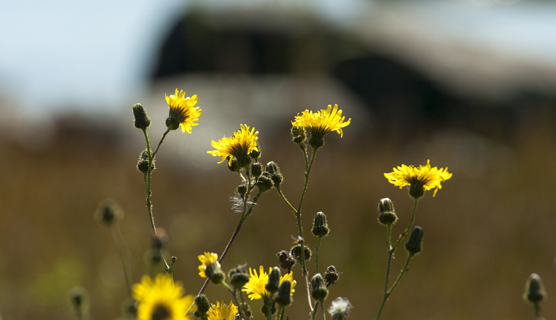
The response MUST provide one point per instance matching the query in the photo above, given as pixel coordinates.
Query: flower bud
(299, 135)
(319, 291)
(284, 296)
(214, 273)
(79, 299)
(160, 239)
(534, 289)
(286, 260)
(234, 165)
(203, 306)
(108, 212)
(238, 277)
(317, 140)
(143, 163)
(273, 282)
(142, 120)
(275, 174)
(387, 214)
(413, 245)
(242, 189)
(331, 275)
(255, 154)
(320, 226)
(264, 183)
(296, 252)
(256, 169)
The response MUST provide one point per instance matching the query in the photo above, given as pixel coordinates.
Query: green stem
(317, 254)
(322, 310)
(148, 190)
(286, 201)
(242, 219)
(409, 256)
(314, 311)
(537, 310)
(124, 256)
(404, 233)
(390, 254)
(298, 214)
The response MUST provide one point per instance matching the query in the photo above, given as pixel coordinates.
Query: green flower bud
(256, 169)
(238, 277)
(264, 183)
(319, 291)
(299, 135)
(273, 282)
(296, 252)
(286, 260)
(203, 306)
(284, 296)
(79, 300)
(108, 212)
(275, 174)
(234, 165)
(242, 189)
(331, 276)
(317, 140)
(142, 120)
(534, 289)
(159, 240)
(413, 245)
(143, 163)
(387, 214)
(256, 154)
(320, 226)
(214, 273)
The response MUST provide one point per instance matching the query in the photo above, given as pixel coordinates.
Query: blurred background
(466, 84)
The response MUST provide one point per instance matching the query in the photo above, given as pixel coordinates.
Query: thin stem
(160, 142)
(124, 255)
(404, 233)
(322, 310)
(390, 254)
(148, 189)
(402, 272)
(314, 311)
(286, 201)
(537, 310)
(242, 219)
(317, 254)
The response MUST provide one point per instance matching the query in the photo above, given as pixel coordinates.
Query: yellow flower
(321, 123)
(418, 179)
(255, 288)
(221, 311)
(240, 145)
(161, 299)
(183, 112)
(208, 260)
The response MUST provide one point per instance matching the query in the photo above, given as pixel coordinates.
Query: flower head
(321, 123)
(221, 311)
(209, 263)
(418, 179)
(161, 299)
(239, 146)
(183, 112)
(339, 309)
(255, 288)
